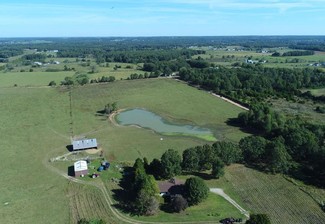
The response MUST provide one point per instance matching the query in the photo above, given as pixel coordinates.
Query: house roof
(84, 144)
(80, 166)
(165, 186)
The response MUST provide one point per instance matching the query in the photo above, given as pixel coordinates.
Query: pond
(147, 119)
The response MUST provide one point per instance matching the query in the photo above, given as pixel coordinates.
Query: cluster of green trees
(145, 56)
(35, 57)
(110, 107)
(80, 79)
(142, 190)
(288, 144)
(165, 67)
(103, 79)
(142, 76)
(253, 83)
(197, 159)
(211, 157)
(7, 52)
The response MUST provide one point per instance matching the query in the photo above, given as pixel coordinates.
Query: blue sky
(67, 18)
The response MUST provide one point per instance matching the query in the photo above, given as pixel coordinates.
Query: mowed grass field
(31, 79)
(274, 195)
(36, 122)
(30, 120)
(42, 75)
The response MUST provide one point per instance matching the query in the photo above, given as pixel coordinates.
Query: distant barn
(80, 168)
(84, 144)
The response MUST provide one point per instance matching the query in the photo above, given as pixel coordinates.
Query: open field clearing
(33, 193)
(41, 76)
(9, 79)
(272, 194)
(306, 110)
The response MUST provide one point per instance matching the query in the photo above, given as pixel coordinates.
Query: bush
(178, 203)
(52, 83)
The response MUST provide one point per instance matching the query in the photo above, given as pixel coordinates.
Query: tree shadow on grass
(122, 196)
(234, 123)
(166, 208)
(123, 201)
(204, 176)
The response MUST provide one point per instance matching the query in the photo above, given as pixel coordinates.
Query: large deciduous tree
(171, 164)
(253, 148)
(217, 168)
(278, 158)
(228, 152)
(190, 160)
(196, 190)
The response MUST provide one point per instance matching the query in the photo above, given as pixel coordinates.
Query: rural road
(220, 192)
(229, 101)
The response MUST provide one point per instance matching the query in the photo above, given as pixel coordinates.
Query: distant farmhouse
(38, 63)
(80, 168)
(84, 144)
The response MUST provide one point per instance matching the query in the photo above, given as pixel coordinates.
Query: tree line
(250, 84)
(293, 53)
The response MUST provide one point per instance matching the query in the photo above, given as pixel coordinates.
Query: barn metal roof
(84, 144)
(80, 166)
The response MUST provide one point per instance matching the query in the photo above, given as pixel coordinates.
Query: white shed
(80, 168)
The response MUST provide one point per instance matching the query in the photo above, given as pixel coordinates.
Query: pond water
(147, 119)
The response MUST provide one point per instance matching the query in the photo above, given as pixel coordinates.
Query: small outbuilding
(84, 144)
(80, 168)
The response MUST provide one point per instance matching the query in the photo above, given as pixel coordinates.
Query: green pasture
(282, 200)
(34, 194)
(31, 79)
(42, 75)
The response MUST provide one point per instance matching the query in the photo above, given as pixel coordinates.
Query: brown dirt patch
(93, 151)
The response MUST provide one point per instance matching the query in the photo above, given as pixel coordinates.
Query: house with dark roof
(171, 187)
(84, 144)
